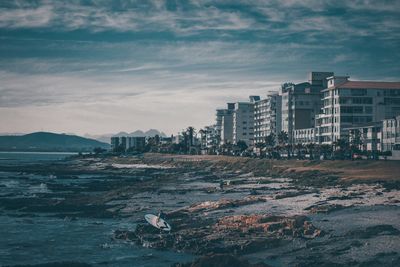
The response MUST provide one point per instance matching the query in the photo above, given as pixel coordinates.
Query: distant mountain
(106, 137)
(44, 141)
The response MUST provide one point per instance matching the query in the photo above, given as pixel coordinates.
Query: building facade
(267, 117)
(301, 103)
(127, 143)
(347, 104)
(243, 123)
(136, 143)
(390, 133)
(304, 136)
(366, 137)
(114, 143)
(224, 124)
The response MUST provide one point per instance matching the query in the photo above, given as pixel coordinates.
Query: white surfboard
(161, 224)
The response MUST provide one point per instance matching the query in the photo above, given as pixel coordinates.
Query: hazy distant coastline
(49, 142)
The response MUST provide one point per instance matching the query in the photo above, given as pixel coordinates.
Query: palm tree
(310, 148)
(299, 147)
(343, 146)
(283, 138)
(270, 140)
(356, 142)
(190, 131)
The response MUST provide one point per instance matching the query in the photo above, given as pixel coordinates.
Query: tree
(343, 146)
(99, 150)
(356, 142)
(185, 142)
(283, 138)
(286, 84)
(242, 146)
(310, 148)
(157, 139)
(190, 131)
(270, 140)
(299, 147)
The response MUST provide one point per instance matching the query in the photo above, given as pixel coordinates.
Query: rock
(326, 208)
(235, 233)
(383, 229)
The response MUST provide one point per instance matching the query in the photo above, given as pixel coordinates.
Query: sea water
(37, 238)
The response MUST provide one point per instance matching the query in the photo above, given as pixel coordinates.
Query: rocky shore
(249, 211)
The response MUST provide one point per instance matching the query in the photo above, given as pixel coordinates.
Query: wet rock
(376, 230)
(225, 203)
(237, 234)
(326, 208)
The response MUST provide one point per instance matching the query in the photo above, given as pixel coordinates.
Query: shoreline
(255, 209)
(362, 170)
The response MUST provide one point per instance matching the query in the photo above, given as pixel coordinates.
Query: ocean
(29, 236)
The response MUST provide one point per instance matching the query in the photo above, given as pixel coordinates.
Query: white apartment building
(390, 133)
(227, 127)
(224, 124)
(301, 103)
(304, 136)
(369, 135)
(243, 122)
(267, 117)
(210, 136)
(350, 103)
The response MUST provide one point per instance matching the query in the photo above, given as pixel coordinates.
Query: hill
(44, 141)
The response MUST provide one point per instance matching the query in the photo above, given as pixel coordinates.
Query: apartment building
(391, 134)
(368, 137)
(304, 136)
(114, 143)
(224, 124)
(346, 104)
(243, 121)
(267, 117)
(209, 137)
(125, 143)
(301, 103)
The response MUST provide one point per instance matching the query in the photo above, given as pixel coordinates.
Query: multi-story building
(304, 136)
(125, 143)
(367, 137)
(390, 133)
(302, 102)
(243, 121)
(224, 124)
(267, 117)
(114, 143)
(136, 143)
(209, 137)
(351, 103)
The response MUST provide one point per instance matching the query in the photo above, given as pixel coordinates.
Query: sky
(108, 66)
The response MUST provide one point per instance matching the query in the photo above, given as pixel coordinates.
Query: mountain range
(44, 141)
(106, 137)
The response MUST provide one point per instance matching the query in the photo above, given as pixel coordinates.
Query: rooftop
(369, 85)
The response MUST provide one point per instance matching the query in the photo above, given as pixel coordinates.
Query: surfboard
(161, 224)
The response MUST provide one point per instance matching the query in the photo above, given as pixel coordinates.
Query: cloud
(174, 62)
(26, 17)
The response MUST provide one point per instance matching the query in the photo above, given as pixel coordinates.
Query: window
(368, 110)
(358, 92)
